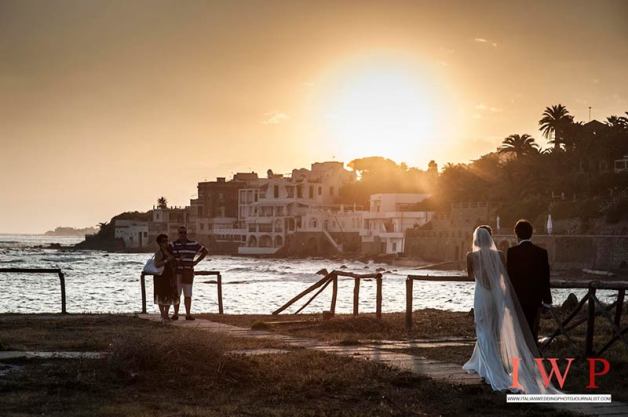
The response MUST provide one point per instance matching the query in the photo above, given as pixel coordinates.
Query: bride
(501, 338)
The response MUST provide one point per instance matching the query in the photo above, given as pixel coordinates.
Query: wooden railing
(332, 278)
(218, 283)
(57, 271)
(595, 308)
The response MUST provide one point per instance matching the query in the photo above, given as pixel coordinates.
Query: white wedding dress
(501, 330)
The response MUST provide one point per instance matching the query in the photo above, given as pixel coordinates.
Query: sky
(107, 105)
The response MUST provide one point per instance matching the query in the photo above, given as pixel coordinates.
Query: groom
(529, 271)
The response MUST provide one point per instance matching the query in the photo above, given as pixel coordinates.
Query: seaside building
(167, 220)
(133, 233)
(272, 210)
(390, 215)
(213, 215)
(295, 214)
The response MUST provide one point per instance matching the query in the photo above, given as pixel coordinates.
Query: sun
(387, 110)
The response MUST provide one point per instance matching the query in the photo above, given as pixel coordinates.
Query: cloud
(274, 118)
(484, 108)
(486, 41)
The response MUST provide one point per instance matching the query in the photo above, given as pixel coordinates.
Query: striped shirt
(185, 251)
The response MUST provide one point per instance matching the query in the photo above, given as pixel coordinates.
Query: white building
(389, 217)
(277, 205)
(133, 233)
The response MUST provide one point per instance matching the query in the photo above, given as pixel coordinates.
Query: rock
(571, 302)
(470, 313)
(380, 269)
(322, 272)
(343, 266)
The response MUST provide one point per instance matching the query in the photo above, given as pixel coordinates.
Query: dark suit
(529, 271)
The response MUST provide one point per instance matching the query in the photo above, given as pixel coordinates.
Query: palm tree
(519, 145)
(553, 122)
(617, 121)
(162, 203)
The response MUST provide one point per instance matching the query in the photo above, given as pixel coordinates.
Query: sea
(102, 282)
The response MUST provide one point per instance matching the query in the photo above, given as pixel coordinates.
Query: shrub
(188, 356)
(260, 325)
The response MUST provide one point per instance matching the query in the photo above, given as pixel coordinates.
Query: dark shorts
(187, 275)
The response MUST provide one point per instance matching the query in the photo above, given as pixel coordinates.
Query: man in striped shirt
(185, 252)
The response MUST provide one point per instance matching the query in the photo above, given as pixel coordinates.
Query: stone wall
(565, 251)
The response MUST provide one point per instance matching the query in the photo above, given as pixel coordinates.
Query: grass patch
(427, 323)
(92, 332)
(260, 325)
(299, 384)
(167, 371)
(190, 356)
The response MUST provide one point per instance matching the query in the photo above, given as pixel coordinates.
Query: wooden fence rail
(332, 278)
(218, 283)
(57, 271)
(594, 308)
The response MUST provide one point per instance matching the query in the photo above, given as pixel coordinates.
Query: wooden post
(408, 303)
(378, 307)
(356, 295)
(143, 285)
(588, 349)
(219, 285)
(302, 293)
(320, 290)
(620, 306)
(334, 294)
(62, 282)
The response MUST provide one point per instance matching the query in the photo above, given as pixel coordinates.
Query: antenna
(589, 113)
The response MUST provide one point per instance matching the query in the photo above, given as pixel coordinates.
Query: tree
(619, 122)
(520, 145)
(554, 122)
(162, 203)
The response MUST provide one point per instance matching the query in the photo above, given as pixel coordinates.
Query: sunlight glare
(382, 111)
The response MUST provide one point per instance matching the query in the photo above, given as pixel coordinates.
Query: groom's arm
(547, 292)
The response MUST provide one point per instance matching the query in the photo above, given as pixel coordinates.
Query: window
(320, 190)
(311, 193)
(299, 191)
(202, 226)
(276, 191)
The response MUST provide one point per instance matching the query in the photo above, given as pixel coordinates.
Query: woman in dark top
(165, 285)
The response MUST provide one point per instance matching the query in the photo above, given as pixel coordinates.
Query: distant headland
(71, 231)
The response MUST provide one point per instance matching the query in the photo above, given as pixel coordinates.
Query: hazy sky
(106, 105)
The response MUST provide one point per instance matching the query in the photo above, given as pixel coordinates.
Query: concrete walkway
(8, 355)
(384, 353)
